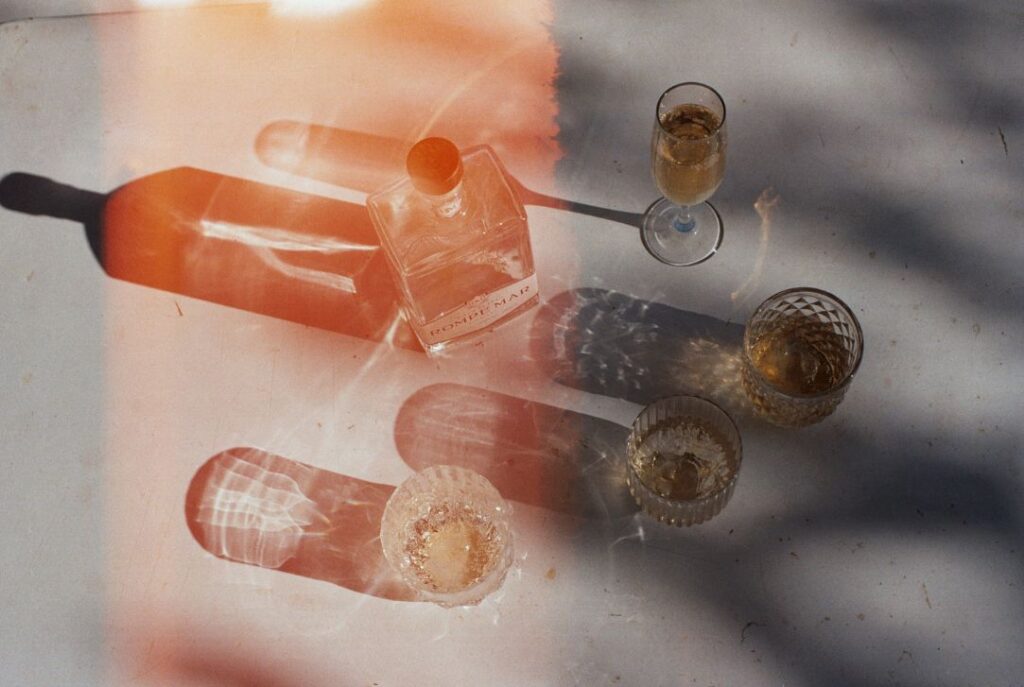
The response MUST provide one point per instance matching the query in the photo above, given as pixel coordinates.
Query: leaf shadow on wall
(303, 258)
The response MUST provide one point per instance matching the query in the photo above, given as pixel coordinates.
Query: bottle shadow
(307, 259)
(367, 162)
(608, 343)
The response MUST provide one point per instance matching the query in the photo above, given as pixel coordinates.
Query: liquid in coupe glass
(688, 164)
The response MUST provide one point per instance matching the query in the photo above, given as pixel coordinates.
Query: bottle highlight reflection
(294, 256)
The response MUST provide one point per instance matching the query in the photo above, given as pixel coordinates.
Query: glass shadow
(249, 506)
(612, 344)
(533, 453)
(368, 162)
(267, 250)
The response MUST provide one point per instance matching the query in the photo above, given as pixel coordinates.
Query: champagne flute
(687, 163)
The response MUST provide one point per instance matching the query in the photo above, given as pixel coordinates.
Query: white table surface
(882, 546)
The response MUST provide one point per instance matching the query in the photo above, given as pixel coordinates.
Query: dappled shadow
(925, 497)
(826, 484)
(924, 186)
(943, 31)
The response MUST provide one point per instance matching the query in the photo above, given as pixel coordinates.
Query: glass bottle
(456, 237)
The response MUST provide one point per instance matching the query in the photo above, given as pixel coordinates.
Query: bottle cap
(434, 165)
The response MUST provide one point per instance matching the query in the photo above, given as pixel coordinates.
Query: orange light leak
(240, 249)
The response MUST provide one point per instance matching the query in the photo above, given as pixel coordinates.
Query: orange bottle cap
(434, 165)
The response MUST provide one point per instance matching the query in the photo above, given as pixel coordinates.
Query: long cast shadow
(249, 506)
(368, 162)
(267, 250)
(612, 344)
(536, 454)
(926, 495)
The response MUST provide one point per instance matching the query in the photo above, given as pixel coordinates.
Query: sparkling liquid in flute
(689, 164)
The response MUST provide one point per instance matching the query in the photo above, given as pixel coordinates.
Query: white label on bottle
(480, 312)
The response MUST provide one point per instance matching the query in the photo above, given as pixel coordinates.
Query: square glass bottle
(456, 237)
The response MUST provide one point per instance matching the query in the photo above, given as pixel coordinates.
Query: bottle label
(480, 312)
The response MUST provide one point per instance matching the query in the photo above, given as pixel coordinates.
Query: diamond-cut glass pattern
(801, 349)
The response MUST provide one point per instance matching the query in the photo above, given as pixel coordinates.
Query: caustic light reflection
(266, 242)
(253, 515)
(613, 344)
(249, 506)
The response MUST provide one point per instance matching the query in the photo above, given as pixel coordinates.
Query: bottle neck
(449, 204)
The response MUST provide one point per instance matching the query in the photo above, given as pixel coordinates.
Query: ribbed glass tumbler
(683, 457)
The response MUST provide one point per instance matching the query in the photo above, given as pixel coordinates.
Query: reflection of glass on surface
(446, 531)
(801, 348)
(684, 456)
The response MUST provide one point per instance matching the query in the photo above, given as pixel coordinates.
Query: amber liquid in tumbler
(684, 459)
(689, 164)
(799, 356)
(452, 547)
